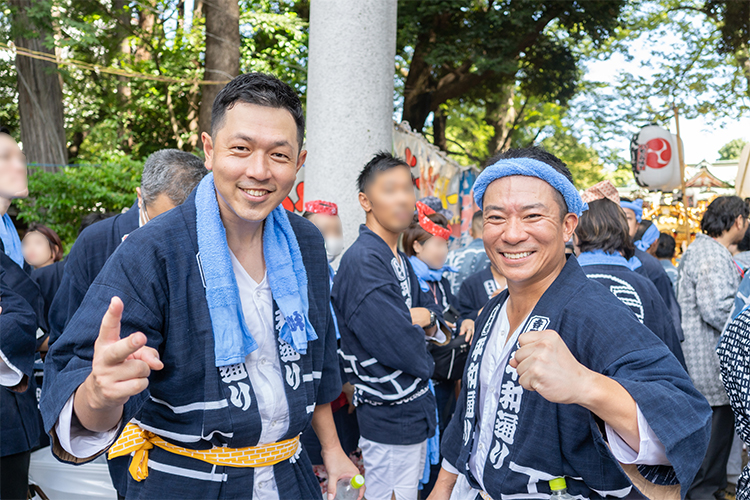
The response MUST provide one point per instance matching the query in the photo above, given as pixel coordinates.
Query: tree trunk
(222, 52)
(40, 104)
(439, 122)
(501, 116)
(743, 59)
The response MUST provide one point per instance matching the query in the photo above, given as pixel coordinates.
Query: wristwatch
(433, 319)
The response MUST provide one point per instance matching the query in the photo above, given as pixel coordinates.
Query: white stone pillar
(349, 98)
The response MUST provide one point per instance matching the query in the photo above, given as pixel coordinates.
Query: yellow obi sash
(135, 439)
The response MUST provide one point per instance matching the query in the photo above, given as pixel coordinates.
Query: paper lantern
(655, 159)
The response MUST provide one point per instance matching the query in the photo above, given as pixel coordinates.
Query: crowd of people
(204, 342)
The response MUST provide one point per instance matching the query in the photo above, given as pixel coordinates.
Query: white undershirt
(496, 355)
(263, 369)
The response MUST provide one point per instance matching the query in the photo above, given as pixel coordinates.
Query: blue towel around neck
(286, 273)
(425, 273)
(600, 257)
(11, 240)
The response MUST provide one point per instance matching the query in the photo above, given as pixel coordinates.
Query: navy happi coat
(652, 269)
(191, 402)
(19, 416)
(87, 257)
(475, 291)
(640, 295)
(555, 440)
(385, 356)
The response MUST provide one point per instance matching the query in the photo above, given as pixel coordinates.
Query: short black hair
(381, 162)
(642, 228)
(261, 89)
(604, 227)
(665, 249)
(722, 213)
(540, 154)
(744, 244)
(4, 130)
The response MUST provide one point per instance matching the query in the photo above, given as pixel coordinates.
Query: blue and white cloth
(286, 275)
(530, 168)
(11, 240)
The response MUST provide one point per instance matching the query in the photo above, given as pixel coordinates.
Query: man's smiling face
(524, 229)
(255, 156)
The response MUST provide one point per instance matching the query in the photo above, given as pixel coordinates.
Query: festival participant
(13, 185)
(384, 318)
(470, 259)
(708, 282)
(646, 237)
(665, 253)
(603, 247)
(475, 291)
(41, 246)
(649, 266)
(325, 216)
(734, 352)
(549, 377)
(19, 417)
(425, 243)
(169, 175)
(209, 332)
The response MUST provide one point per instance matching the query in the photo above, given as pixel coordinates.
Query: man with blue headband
(562, 380)
(646, 264)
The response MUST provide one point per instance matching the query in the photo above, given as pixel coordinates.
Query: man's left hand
(546, 365)
(339, 466)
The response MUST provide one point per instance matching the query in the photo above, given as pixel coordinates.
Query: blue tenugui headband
(636, 206)
(530, 168)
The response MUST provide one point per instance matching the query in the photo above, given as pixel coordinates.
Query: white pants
(392, 469)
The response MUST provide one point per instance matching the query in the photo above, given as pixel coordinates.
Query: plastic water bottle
(348, 489)
(559, 489)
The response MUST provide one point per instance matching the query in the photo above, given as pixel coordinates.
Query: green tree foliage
(732, 149)
(61, 199)
(482, 49)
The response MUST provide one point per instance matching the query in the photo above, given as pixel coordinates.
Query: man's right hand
(119, 370)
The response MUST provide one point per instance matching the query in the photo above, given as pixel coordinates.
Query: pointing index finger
(109, 331)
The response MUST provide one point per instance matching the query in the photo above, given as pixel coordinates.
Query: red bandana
(322, 207)
(425, 223)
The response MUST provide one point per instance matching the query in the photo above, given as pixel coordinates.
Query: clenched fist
(119, 370)
(546, 365)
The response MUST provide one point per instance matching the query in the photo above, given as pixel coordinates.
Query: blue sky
(702, 137)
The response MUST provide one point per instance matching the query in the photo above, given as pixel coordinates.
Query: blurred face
(524, 234)
(632, 221)
(432, 252)
(36, 249)
(13, 182)
(333, 233)
(390, 199)
(255, 158)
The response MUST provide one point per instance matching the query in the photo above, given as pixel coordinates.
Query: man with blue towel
(206, 345)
